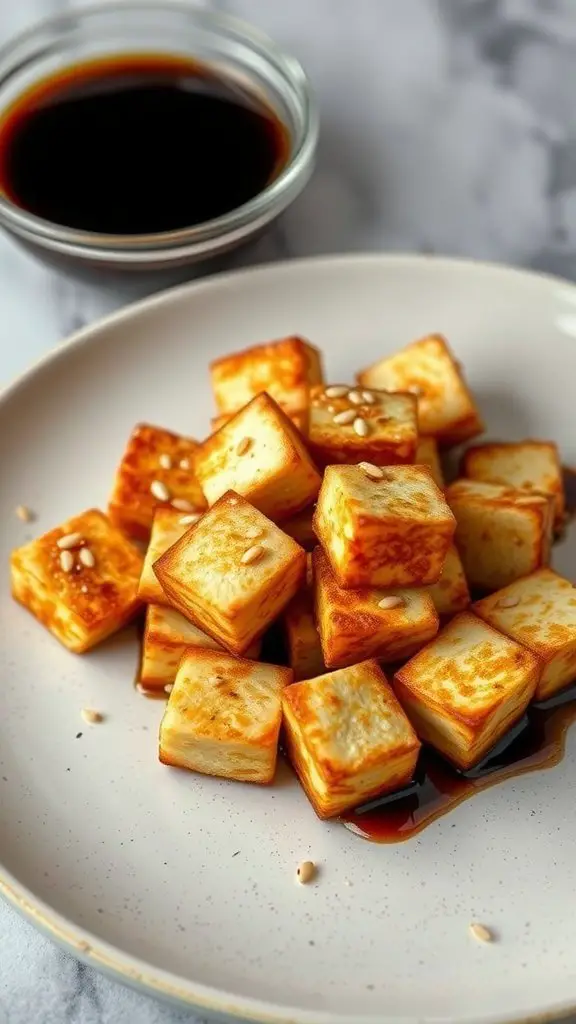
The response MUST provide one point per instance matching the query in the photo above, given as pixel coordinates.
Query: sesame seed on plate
(91, 716)
(23, 513)
(306, 872)
(480, 932)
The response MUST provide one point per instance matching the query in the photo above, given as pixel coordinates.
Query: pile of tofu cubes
(323, 506)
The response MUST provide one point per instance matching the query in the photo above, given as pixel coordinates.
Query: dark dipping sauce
(137, 144)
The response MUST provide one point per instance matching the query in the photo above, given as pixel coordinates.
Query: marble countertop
(448, 126)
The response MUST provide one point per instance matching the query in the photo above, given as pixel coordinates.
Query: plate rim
(80, 942)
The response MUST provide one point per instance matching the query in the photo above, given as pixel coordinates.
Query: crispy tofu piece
(223, 717)
(260, 455)
(427, 368)
(300, 632)
(348, 738)
(168, 526)
(466, 689)
(370, 623)
(427, 455)
(81, 604)
(527, 465)
(390, 532)
(232, 573)
(299, 527)
(155, 459)
(167, 634)
(539, 612)
(388, 423)
(450, 594)
(286, 369)
(299, 419)
(502, 533)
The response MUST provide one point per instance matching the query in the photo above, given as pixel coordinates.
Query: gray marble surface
(448, 126)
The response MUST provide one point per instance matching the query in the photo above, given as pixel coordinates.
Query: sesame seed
(165, 461)
(159, 490)
(84, 588)
(342, 418)
(91, 716)
(480, 932)
(23, 513)
(508, 602)
(69, 541)
(368, 397)
(190, 520)
(252, 532)
(355, 397)
(87, 558)
(243, 445)
(252, 555)
(66, 561)
(361, 427)
(182, 504)
(393, 601)
(169, 687)
(374, 472)
(184, 463)
(306, 872)
(336, 391)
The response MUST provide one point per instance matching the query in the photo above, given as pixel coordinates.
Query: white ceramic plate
(185, 885)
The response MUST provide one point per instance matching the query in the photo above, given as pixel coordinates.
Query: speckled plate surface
(185, 885)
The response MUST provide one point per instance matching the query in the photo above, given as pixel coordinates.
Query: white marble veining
(447, 126)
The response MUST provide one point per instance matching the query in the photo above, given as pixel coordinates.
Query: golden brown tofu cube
(539, 612)
(286, 369)
(427, 455)
(168, 526)
(348, 738)
(232, 573)
(167, 634)
(502, 533)
(301, 635)
(450, 594)
(466, 689)
(299, 419)
(80, 580)
(300, 528)
(223, 717)
(370, 623)
(360, 425)
(156, 471)
(427, 368)
(389, 532)
(527, 465)
(260, 455)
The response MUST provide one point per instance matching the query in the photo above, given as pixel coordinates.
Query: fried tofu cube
(286, 369)
(156, 471)
(371, 426)
(300, 528)
(389, 532)
(539, 612)
(168, 526)
(427, 369)
(466, 689)
(223, 717)
(232, 573)
(299, 419)
(502, 533)
(427, 455)
(260, 455)
(300, 632)
(80, 580)
(369, 623)
(451, 594)
(348, 738)
(167, 634)
(527, 465)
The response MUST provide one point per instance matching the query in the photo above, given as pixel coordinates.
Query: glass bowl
(232, 49)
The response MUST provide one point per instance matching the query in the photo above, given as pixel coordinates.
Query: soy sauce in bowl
(138, 145)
